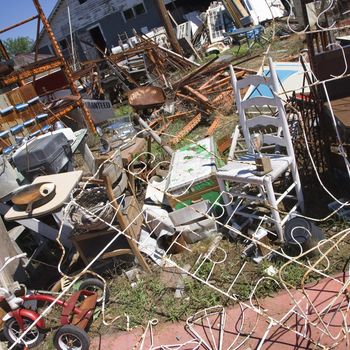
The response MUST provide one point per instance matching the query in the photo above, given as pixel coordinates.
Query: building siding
(106, 13)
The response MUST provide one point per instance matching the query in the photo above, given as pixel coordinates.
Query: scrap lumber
(229, 88)
(222, 82)
(185, 97)
(214, 125)
(209, 81)
(224, 143)
(156, 121)
(247, 70)
(224, 100)
(187, 129)
(31, 70)
(197, 94)
(179, 57)
(183, 81)
(221, 96)
(217, 84)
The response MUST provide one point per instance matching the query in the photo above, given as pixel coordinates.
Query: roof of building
(51, 15)
(23, 59)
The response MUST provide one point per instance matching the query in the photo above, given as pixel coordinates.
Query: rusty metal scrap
(208, 90)
(32, 69)
(187, 129)
(214, 125)
(146, 97)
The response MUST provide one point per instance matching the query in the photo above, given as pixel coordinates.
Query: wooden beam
(168, 26)
(197, 94)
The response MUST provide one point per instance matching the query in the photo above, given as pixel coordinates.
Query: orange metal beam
(16, 76)
(65, 65)
(18, 24)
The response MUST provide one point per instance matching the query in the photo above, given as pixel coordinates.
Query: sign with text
(100, 110)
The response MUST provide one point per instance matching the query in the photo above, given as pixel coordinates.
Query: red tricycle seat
(81, 314)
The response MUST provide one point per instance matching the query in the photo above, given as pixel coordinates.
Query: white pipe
(71, 39)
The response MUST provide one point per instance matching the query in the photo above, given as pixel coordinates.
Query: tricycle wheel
(12, 332)
(97, 286)
(71, 337)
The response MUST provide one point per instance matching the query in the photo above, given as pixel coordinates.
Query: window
(82, 1)
(63, 43)
(139, 9)
(128, 14)
(132, 12)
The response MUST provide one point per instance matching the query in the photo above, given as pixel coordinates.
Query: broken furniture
(192, 174)
(251, 35)
(239, 174)
(194, 221)
(127, 213)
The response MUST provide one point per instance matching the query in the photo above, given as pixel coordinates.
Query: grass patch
(123, 110)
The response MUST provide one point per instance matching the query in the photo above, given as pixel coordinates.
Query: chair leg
(273, 207)
(225, 197)
(138, 255)
(298, 189)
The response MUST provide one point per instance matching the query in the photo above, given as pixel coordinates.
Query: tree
(21, 44)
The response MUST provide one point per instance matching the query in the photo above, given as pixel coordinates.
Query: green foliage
(15, 46)
(123, 110)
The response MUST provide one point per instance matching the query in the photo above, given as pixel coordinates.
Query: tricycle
(76, 316)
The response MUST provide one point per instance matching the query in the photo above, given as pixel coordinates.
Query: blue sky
(14, 11)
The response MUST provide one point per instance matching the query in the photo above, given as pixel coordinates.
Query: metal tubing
(18, 24)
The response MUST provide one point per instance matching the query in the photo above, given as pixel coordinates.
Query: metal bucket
(146, 97)
(302, 235)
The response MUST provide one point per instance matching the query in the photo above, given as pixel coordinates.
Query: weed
(123, 110)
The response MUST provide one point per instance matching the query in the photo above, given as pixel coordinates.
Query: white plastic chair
(239, 173)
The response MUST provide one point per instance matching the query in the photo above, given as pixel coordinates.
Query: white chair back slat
(254, 80)
(270, 139)
(258, 101)
(263, 120)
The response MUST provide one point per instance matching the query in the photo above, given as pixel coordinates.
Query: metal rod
(71, 38)
(18, 24)
(66, 68)
(154, 136)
